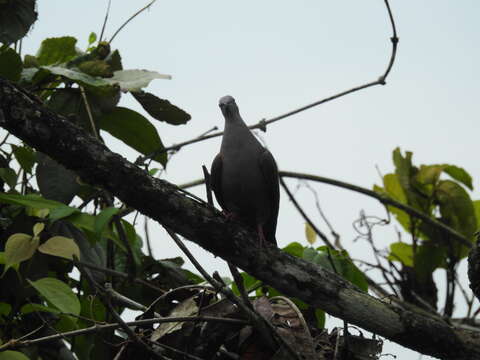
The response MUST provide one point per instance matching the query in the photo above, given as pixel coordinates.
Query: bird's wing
(216, 179)
(270, 177)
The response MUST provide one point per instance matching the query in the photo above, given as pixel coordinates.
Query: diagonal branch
(25, 117)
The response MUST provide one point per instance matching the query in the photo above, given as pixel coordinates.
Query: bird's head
(228, 106)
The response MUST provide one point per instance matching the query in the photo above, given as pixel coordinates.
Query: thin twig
(117, 273)
(16, 344)
(130, 19)
(263, 123)
(261, 324)
(384, 200)
(320, 234)
(123, 238)
(147, 237)
(89, 112)
(105, 21)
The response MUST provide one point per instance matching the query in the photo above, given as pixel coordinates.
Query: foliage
(440, 192)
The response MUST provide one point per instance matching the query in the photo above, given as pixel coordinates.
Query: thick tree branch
(24, 116)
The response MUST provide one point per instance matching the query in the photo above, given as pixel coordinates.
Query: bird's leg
(230, 215)
(261, 236)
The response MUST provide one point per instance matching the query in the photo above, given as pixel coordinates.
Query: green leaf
(401, 252)
(54, 180)
(31, 200)
(393, 189)
(134, 80)
(16, 18)
(29, 308)
(5, 309)
(12, 355)
(248, 282)
(320, 316)
(428, 258)
(337, 262)
(96, 68)
(134, 130)
(102, 219)
(92, 38)
(19, 247)
(403, 168)
(38, 228)
(114, 60)
(295, 249)
(25, 157)
(476, 206)
(429, 174)
(38, 202)
(62, 212)
(86, 222)
(56, 50)
(459, 174)
(456, 207)
(9, 176)
(60, 246)
(161, 109)
(310, 234)
(58, 294)
(30, 61)
(10, 64)
(77, 76)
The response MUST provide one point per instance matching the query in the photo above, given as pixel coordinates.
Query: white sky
(274, 56)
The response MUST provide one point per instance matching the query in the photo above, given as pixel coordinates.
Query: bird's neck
(237, 135)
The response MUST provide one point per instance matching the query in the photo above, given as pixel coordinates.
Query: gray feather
(244, 174)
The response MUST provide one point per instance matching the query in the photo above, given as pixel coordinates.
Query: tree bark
(25, 117)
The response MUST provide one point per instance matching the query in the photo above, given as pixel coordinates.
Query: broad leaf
(16, 18)
(19, 247)
(134, 130)
(476, 206)
(56, 50)
(57, 210)
(5, 310)
(58, 294)
(310, 234)
(12, 355)
(295, 249)
(96, 68)
(429, 257)
(29, 308)
(337, 262)
(161, 109)
(459, 174)
(9, 176)
(25, 157)
(401, 252)
(134, 80)
(60, 246)
(38, 228)
(248, 282)
(92, 38)
(10, 64)
(456, 207)
(102, 219)
(393, 189)
(77, 76)
(187, 307)
(55, 181)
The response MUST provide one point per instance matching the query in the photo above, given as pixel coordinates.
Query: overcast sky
(274, 56)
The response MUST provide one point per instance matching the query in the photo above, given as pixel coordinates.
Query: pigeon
(244, 176)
